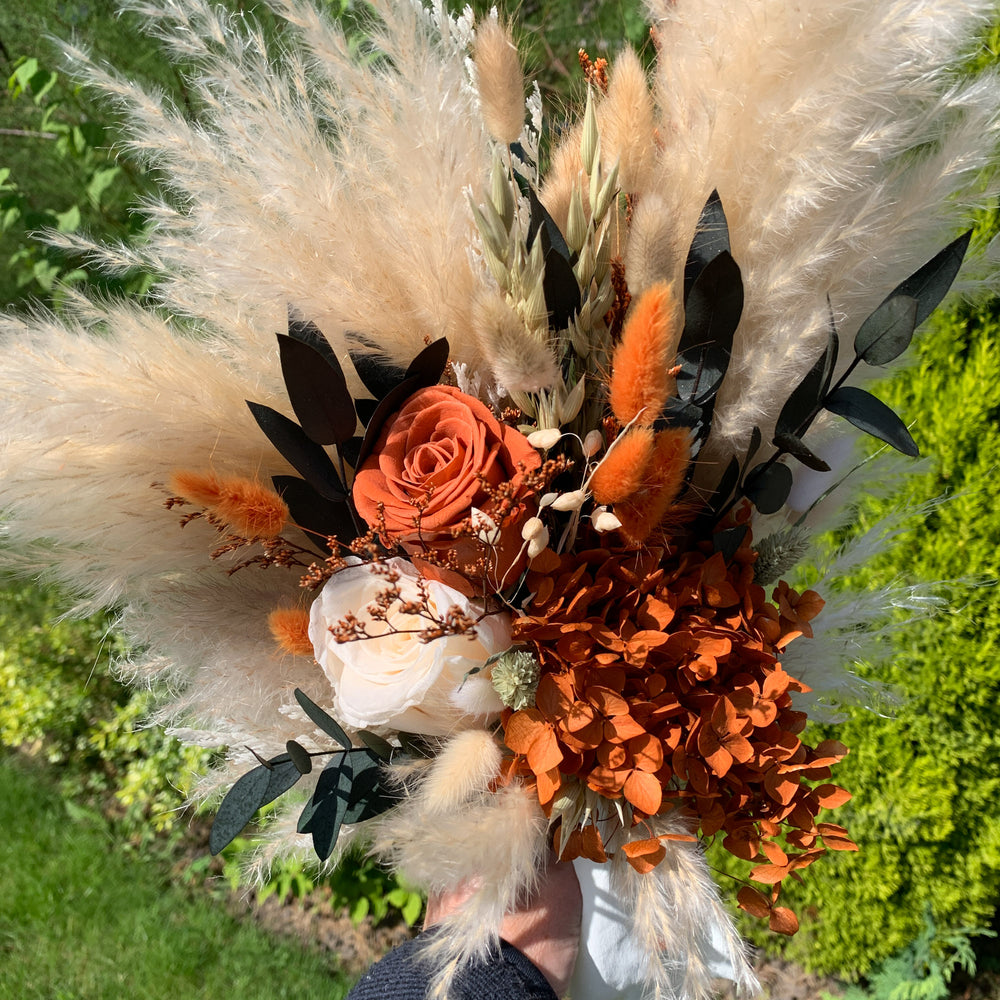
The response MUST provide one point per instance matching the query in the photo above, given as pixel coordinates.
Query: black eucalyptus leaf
(806, 398)
(308, 333)
(429, 365)
(302, 453)
(797, 448)
(238, 807)
(284, 774)
(562, 290)
(727, 483)
(755, 439)
(350, 449)
(366, 410)
(711, 237)
(382, 749)
(318, 392)
(329, 726)
(712, 314)
(318, 517)
(552, 238)
(299, 756)
(930, 283)
(887, 332)
(729, 540)
(377, 375)
(873, 417)
(767, 486)
(678, 412)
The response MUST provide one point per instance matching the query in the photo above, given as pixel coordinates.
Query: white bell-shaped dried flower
(603, 520)
(573, 500)
(538, 543)
(500, 80)
(544, 439)
(532, 528)
(486, 529)
(592, 443)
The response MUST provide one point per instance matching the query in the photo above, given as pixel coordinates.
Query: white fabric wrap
(611, 965)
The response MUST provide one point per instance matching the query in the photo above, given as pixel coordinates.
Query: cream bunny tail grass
(836, 156)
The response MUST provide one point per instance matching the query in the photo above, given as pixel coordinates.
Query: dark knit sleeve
(505, 975)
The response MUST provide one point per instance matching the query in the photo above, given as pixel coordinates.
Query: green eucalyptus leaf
(806, 398)
(329, 726)
(872, 416)
(767, 486)
(299, 756)
(238, 807)
(797, 448)
(888, 331)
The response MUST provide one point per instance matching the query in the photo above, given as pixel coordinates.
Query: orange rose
(437, 450)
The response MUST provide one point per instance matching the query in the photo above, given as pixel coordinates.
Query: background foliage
(925, 779)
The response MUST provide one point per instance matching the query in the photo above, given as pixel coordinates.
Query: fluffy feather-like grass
(456, 789)
(642, 511)
(673, 906)
(247, 506)
(290, 628)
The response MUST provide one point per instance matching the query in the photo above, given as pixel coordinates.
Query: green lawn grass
(80, 920)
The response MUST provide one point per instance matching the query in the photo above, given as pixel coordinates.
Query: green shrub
(923, 970)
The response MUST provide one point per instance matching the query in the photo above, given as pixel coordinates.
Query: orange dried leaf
(783, 921)
(644, 855)
(756, 904)
(831, 796)
(768, 874)
(644, 792)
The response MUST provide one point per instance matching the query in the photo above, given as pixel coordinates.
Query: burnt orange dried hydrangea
(662, 685)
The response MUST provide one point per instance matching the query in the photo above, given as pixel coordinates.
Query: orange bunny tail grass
(290, 628)
(248, 507)
(642, 512)
(623, 470)
(640, 373)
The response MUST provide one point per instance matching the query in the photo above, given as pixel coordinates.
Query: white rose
(395, 680)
